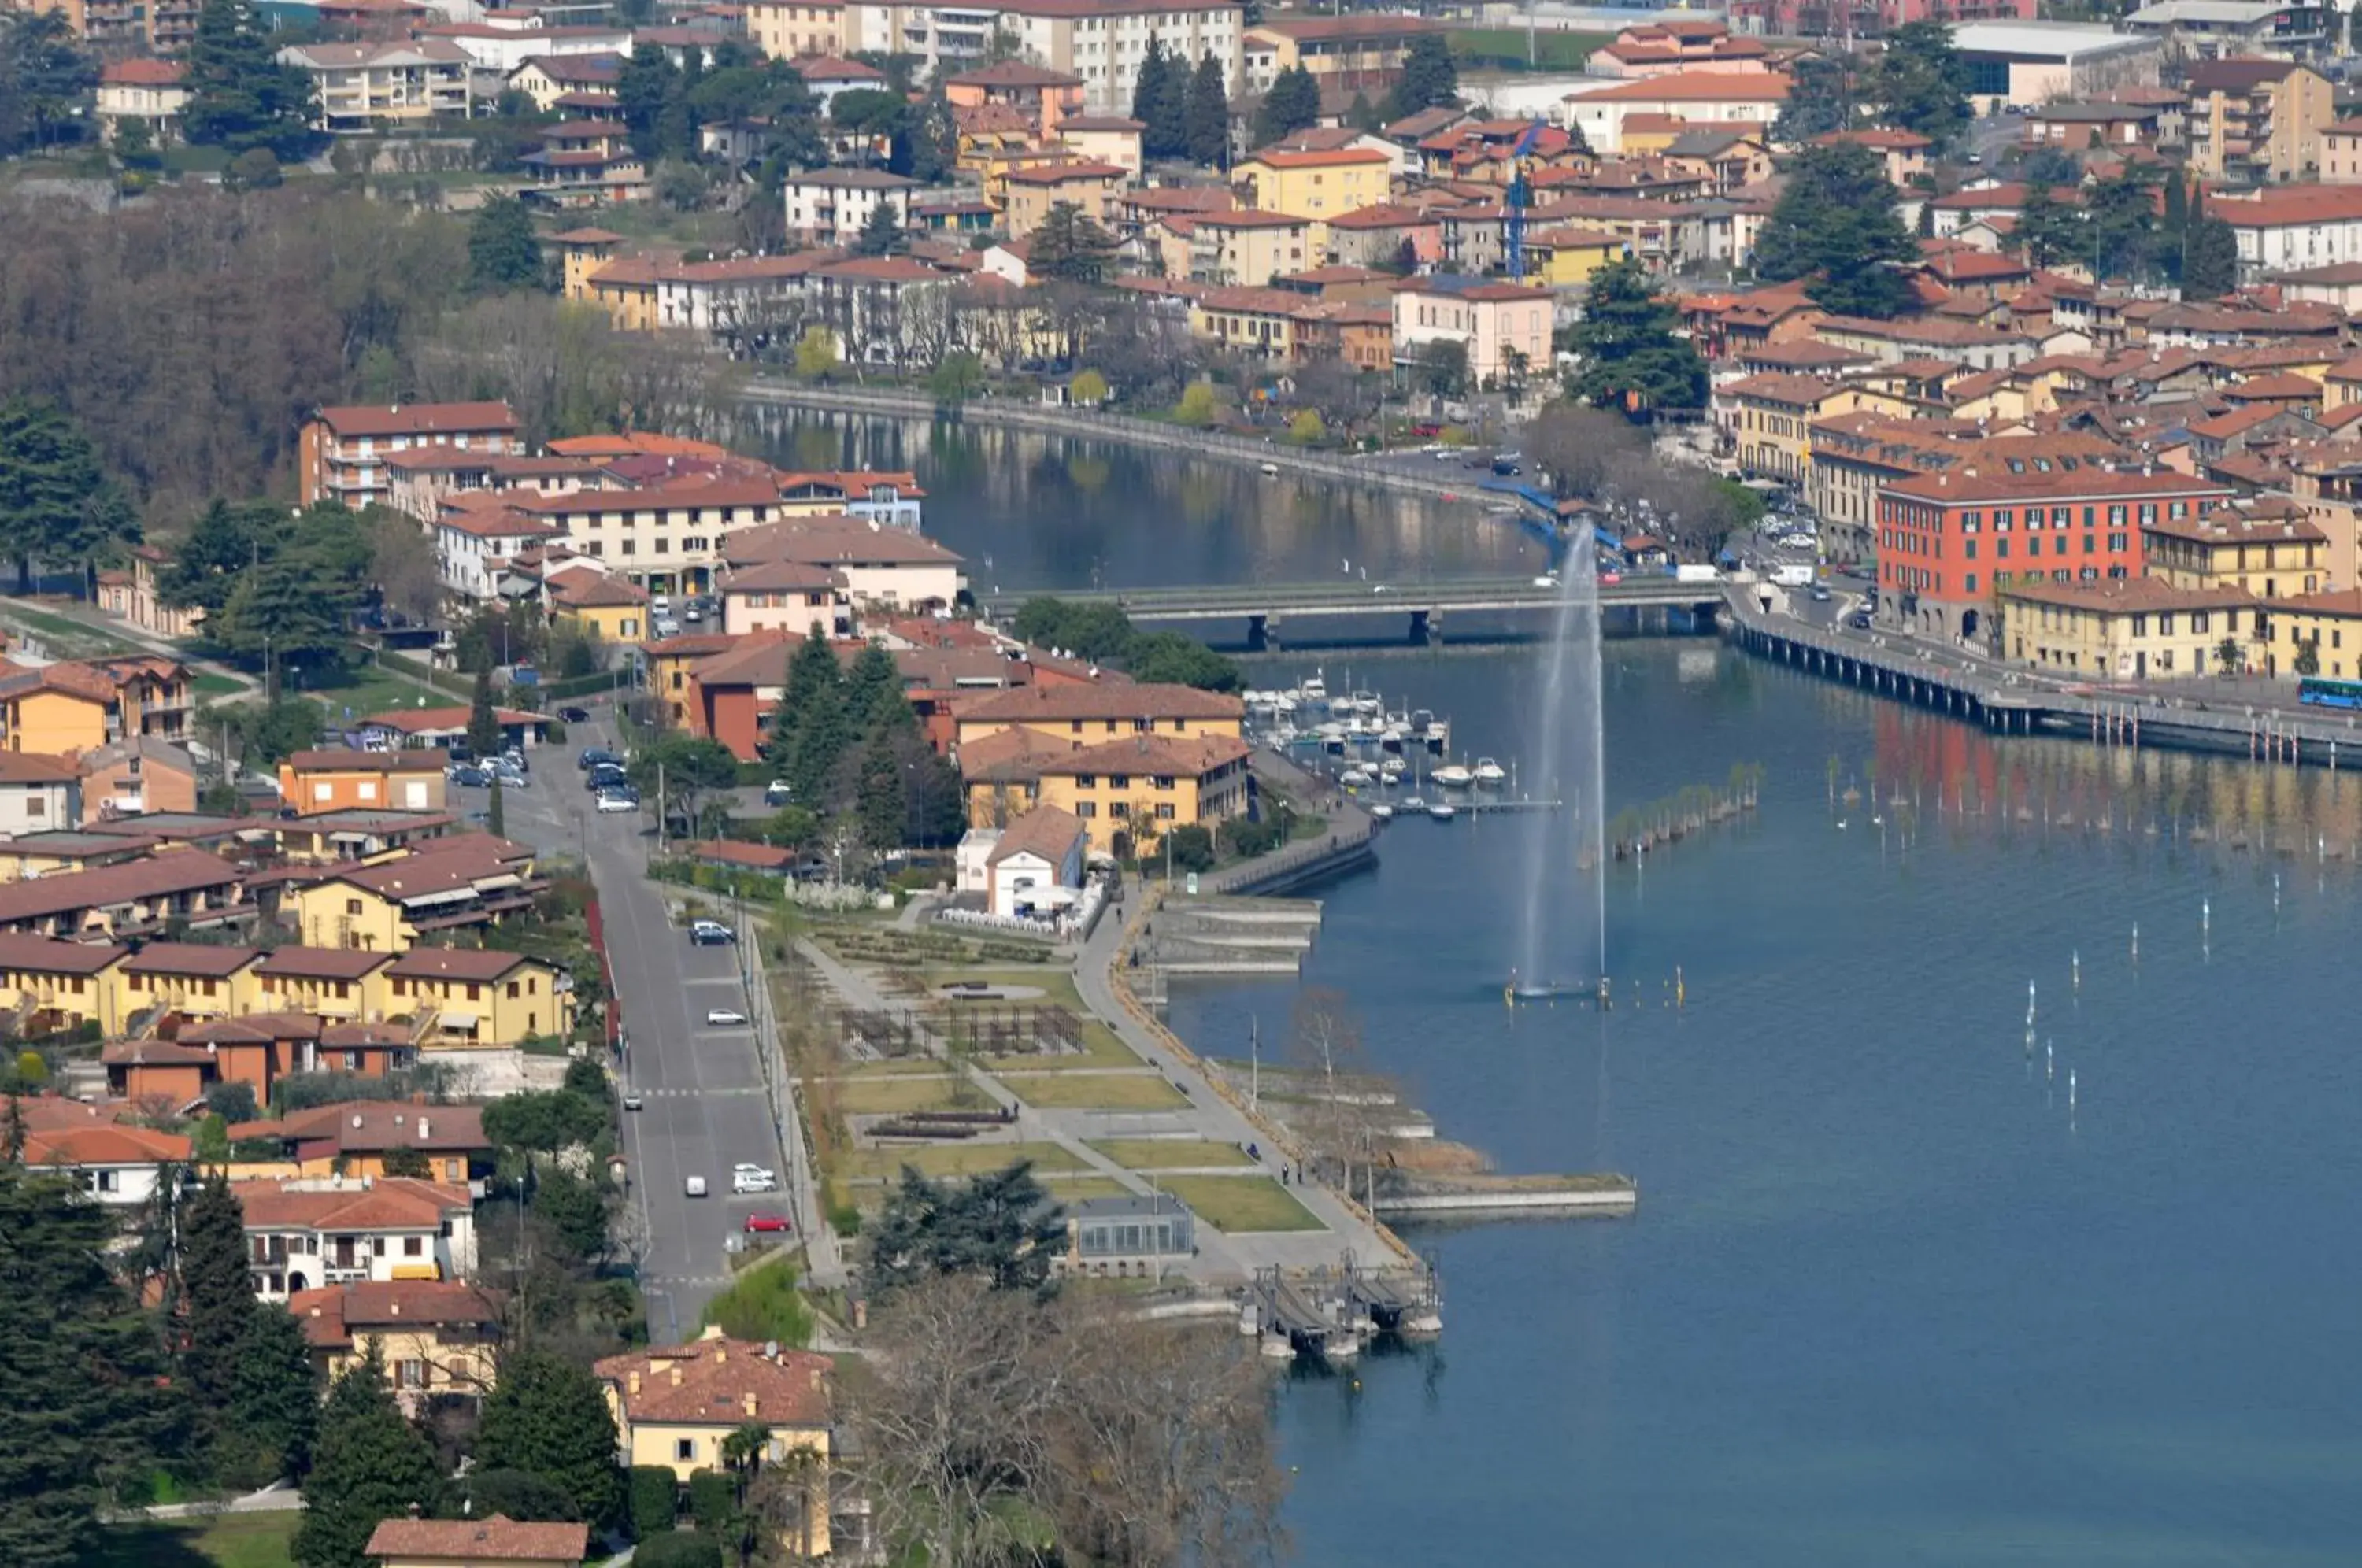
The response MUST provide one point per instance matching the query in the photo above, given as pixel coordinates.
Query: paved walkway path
(276, 1498)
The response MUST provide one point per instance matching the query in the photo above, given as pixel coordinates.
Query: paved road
(705, 1108)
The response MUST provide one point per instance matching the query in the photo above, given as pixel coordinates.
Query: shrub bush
(655, 1501)
(712, 1499)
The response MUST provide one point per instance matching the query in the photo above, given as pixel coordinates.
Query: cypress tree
(548, 1418)
(56, 502)
(240, 96)
(885, 808)
(1207, 115)
(496, 818)
(368, 1466)
(483, 722)
(276, 1398)
(1148, 95)
(1294, 102)
(217, 1301)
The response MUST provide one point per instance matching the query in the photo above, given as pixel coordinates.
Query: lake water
(1885, 1300)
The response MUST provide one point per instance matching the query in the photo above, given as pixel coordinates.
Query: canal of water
(1886, 1297)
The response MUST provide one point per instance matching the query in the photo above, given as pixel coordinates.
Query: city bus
(2323, 692)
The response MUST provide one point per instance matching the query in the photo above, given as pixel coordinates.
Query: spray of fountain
(1562, 942)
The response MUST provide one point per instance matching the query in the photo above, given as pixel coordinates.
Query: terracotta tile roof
(1046, 832)
(419, 418)
(772, 575)
(1695, 87)
(111, 1144)
(756, 856)
(1012, 73)
(1991, 481)
(834, 540)
(372, 1203)
(72, 678)
(182, 871)
(1775, 387)
(597, 591)
(321, 963)
(373, 1125)
(329, 1313)
(252, 1029)
(33, 768)
(496, 1539)
(154, 1054)
(712, 1381)
(143, 73)
(2130, 595)
(189, 958)
(1009, 757)
(1088, 701)
(1180, 756)
(1059, 174)
(759, 660)
(482, 966)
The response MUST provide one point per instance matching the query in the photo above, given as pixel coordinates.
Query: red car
(756, 1223)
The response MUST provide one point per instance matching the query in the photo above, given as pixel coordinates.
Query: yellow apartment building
(192, 979)
(480, 998)
(1566, 258)
(1087, 713)
(1128, 793)
(1769, 420)
(677, 1405)
(2139, 628)
(434, 1337)
(2258, 119)
(76, 706)
(1029, 193)
(1248, 247)
(1272, 322)
(386, 905)
(343, 984)
(49, 984)
(1315, 186)
(2271, 551)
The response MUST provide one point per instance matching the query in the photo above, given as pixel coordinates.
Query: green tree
(216, 1293)
(503, 251)
(654, 1494)
(1198, 405)
(883, 806)
(872, 688)
(2308, 657)
(1921, 84)
(1442, 367)
(240, 96)
(1428, 78)
(519, 1494)
(1822, 95)
(1307, 428)
(45, 76)
(681, 770)
(683, 1549)
(1001, 1226)
(78, 1359)
(1836, 225)
(1631, 358)
(1207, 116)
(577, 1209)
(1090, 389)
(275, 1400)
(926, 147)
(549, 1418)
(2048, 230)
(56, 505)
(2229, 657)
(1293, 104)
(2209, 260)
(1070, 247)
(815, 353)
(368, 1466)
(2120, 216)
(1192, 847)
(402, 1159)
(881, 232)
(1160, 102)
(135, 143)
(958, 376)
(483, 720)
(496, 816)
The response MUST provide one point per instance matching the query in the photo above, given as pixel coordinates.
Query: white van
(695, 1186)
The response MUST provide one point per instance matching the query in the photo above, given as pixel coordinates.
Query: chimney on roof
(421, 1126)
(632, 1385)
(750, 1404)
(395, 1307)
(676, 1375)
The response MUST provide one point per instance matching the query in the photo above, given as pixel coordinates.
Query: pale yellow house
(1768, 420)
(2267, 547)
(2139, 628)
(54, 985)
(1104, 139)
(1030, 192)
(1566, 258)
(678, 1406)
(1076, 715)
(1315, 186)
(608, 607)
(1128, 794)
(480, 997)
(385, 905)
(2330, 623)
(435, 1337)
(1250, 248)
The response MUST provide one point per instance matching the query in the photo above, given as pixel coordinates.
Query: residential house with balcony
(2258, 119)
(134, 898)
(830, 206)
(117, 1164)
(154, 91)
(256, 1049)
(185, 979)
(499, 1541)
(786, 596)
(581, 162)
(303, 1232)
(37, 793)
(434, 1338)
(129, 594)
(77, 706)
(1244, 248)
(371, 86)
(341, 452)
(385, 907)
(1504, 328)
(1030, 192)
(480, 997)
(1345, 54)
(355, 1137)
(892, 570)
(48, 986)
(1314, 185)
(338, 985)
(2203, 30)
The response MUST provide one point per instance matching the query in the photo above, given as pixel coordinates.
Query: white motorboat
(1392, 768)
(1313, 690)
(1490, 773)
(1451, 776)
(1443, 811)
(1366, 703)
(1353, 778)
(1413, 803)
(1271, 471)
(1382, 813)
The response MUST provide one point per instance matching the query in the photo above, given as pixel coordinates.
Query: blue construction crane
(1514, 204)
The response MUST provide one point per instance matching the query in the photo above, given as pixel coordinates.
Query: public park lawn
(1241, 1204)
(887, 1096)
(1093, 1091)
(891, 1067)
(69, 636)
(1100, 1049)
(369, 689)
(955, 1160)
(1170, 1153)
(226, 1541)
(214, 684)
(1056, 985)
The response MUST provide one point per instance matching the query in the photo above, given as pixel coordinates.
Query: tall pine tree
(1293, 103)
(1632, 359)
(885, 808)
(78, 1360)
(483, 720)
(276, 1401)
(1207, 115)
(240, 96)
(1836, 225)
(368, 1466)
(1161, 104)
(549, 1418)
(56, 505)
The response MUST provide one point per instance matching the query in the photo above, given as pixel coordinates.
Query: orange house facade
(410, 780)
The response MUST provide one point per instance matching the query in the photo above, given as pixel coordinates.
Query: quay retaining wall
(1610, 1200)
(1013, 413)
